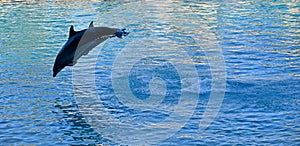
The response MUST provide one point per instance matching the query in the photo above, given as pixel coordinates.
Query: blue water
(259, 41)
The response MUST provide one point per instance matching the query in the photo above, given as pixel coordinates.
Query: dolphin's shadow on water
(81, 42)
(75, 129)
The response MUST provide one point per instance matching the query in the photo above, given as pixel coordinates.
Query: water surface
(260, 45)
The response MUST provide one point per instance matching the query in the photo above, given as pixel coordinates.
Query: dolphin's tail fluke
(121, 33)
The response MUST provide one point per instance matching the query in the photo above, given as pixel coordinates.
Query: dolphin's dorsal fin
(72, 31)
(91, 24)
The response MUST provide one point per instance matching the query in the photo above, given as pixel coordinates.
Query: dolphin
(81, 42)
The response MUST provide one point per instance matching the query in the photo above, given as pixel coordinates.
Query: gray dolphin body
(81, 42)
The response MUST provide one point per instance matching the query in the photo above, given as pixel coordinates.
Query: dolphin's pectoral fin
(121, 33)
(86, 52)
(91, 24)
(71, 63)
(72, 31)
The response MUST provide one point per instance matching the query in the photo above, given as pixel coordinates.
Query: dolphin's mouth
(56, 70)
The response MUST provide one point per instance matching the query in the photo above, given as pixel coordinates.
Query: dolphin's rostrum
(81, 42)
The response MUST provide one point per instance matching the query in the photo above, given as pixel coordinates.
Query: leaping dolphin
(81, 42)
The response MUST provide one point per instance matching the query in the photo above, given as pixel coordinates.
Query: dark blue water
(259, 42)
